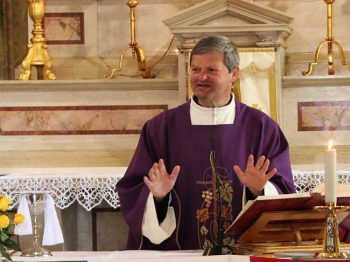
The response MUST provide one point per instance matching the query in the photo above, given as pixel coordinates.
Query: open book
(286, 202)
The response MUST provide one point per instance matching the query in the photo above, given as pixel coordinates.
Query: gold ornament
(37, 54)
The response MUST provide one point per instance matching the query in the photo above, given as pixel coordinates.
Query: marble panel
(75, 120)
(89, 9)
(324, 116)
(109, 231)
(313, 89)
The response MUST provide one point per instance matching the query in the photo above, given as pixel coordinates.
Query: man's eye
(195, 70)
(212, 70)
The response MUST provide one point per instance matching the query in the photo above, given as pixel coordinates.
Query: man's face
(210, 79)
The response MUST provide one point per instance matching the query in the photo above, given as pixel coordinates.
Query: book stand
(284, 231)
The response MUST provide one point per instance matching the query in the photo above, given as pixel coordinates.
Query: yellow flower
(18, 218)
(4, 221)
(4, 203)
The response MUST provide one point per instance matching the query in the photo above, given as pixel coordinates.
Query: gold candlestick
(37, 54)
(329, 41)
(331, 243)
(136, 50)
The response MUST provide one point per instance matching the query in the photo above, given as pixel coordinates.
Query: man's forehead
(207, 59)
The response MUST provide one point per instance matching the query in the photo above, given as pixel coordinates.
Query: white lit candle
(331, 173)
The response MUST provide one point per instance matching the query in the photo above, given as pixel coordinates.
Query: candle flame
(330, 144)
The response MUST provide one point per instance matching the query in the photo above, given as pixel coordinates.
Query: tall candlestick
(331, 173)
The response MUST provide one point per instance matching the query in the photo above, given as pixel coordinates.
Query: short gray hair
(221, 44)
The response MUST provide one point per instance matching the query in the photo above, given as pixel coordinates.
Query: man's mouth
(203, 85)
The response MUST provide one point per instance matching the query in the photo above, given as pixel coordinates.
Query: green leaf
(11, 244)
(3, 236)
(4, 254)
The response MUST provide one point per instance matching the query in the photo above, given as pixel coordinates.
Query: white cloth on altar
(52, 234)
(24, 228)
(52, 228)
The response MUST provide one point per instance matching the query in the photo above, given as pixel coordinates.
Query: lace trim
(306, 180)
(89, 192)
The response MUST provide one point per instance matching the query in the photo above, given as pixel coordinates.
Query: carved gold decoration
(136, 50)
(331, 242)
(37, 54)
(329, 41)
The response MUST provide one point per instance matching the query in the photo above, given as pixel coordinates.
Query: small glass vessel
(36, 203)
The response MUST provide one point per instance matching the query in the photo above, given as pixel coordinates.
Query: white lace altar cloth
(306, 180)
(88, 186)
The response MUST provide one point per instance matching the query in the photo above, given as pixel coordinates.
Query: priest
(196, 165)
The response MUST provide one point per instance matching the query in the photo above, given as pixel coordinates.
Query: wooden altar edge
(71, 120)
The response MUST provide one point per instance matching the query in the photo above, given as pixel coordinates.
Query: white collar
(212, 116)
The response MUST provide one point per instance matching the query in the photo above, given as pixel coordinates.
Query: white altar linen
(135, 255)
(307, 180)
(88, 186)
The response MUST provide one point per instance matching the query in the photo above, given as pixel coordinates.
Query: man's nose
(203, 75)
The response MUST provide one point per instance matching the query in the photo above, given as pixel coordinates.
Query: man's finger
(250, 161)
(175, 173)
(162, 167)
(271, 173)
(238, 170)
(260, 162)
(148, 182)
(265, 166)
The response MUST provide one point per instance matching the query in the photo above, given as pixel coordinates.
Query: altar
(136, 255)
(85, 199)
(88, 205)
(160, 256)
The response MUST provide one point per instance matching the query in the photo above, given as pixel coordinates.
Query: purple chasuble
(172, 137)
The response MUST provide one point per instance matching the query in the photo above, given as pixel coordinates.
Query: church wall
(107, 32)
(310, 29)
(38, 127)
(111, 32)
(80, 70)
(329, 94)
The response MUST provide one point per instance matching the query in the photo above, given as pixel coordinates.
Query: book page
(284, 202)
(270, 197)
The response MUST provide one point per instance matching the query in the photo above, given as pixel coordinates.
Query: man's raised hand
(158, 181)
(254, 177)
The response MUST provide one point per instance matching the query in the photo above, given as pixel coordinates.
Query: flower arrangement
(6, 227)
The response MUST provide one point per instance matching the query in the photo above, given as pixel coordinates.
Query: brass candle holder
(331, 242)
(329, 41)
(37, 50)
(136, 50)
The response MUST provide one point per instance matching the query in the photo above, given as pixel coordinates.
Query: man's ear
(235, 74)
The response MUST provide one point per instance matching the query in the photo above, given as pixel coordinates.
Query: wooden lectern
(276, 225)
